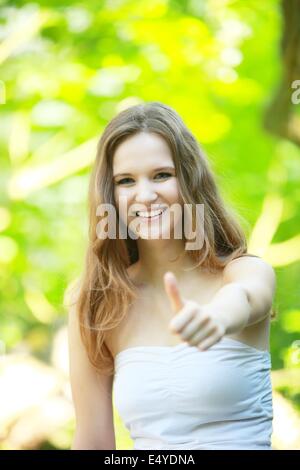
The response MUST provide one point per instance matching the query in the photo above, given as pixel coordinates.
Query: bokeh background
(66, 68)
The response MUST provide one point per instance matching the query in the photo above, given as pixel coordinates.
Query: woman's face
(145, 180)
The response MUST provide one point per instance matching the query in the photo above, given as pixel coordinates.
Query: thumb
(172, 290)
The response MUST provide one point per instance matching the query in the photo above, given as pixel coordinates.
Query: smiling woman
(157, 321)
(146, 187)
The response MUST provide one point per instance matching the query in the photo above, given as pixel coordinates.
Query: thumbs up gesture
(196, 324)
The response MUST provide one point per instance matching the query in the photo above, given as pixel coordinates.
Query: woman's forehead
(142, 145)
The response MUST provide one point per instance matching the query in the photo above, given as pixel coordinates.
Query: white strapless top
(178, 397)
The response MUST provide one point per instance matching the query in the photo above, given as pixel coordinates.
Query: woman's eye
(125, 180)
(167, 174)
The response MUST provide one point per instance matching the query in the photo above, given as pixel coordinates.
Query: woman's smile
(150, 216)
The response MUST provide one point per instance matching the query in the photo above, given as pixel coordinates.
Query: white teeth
(149, 214)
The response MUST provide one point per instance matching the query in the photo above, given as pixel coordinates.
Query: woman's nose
(145, 192)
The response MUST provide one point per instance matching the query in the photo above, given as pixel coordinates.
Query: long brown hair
(105, 291)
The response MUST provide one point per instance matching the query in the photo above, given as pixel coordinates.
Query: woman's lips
(155, 217)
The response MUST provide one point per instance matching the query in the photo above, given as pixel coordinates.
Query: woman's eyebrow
(156, 169)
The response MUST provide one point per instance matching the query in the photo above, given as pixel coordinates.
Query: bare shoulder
(255, 273)
(249, 267)
(71, 293)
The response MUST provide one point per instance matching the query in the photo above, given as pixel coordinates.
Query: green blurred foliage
(68, 67)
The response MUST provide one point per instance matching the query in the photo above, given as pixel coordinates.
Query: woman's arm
(92, 396)
(247, 294)
(244, 299)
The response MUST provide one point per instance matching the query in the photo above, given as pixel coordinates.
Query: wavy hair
(105, 291)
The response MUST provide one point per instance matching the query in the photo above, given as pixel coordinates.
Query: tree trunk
(281, 118)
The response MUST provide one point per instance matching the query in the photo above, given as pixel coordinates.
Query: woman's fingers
(195, 326)
(180, 322)
(201, 335)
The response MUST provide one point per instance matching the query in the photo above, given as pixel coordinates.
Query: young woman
(179, 337)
